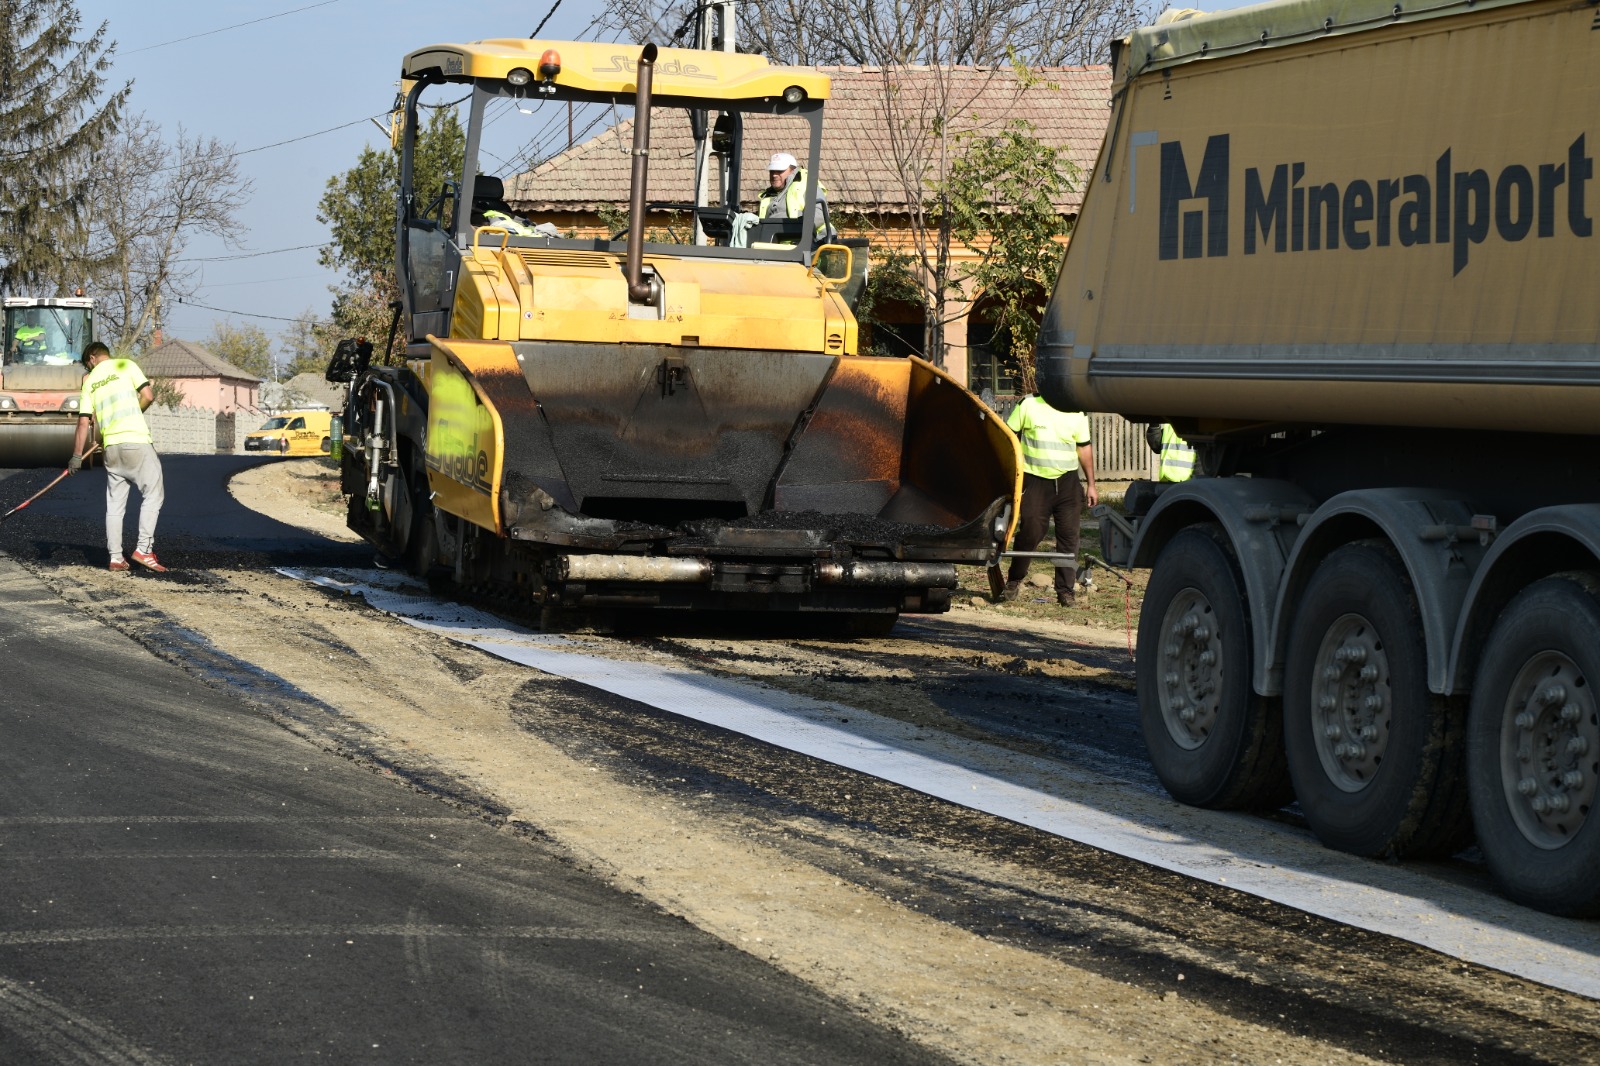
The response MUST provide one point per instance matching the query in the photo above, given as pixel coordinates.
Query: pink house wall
(219, 394)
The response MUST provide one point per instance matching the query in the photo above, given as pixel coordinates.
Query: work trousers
(1043, 499)
(139, 464)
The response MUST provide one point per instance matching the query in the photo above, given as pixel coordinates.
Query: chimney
(155, 340)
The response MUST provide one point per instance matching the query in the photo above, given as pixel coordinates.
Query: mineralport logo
(1287, 209)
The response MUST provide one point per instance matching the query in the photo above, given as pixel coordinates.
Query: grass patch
(1108, 604)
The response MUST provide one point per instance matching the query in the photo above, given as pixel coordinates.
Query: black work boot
(1012, 590)
(1067, 594)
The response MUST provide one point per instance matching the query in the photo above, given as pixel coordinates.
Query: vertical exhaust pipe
(639, 290)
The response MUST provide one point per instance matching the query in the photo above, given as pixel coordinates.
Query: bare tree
(939, 224)
(151, 197)
(942, 66)
(917, 116)
(883, 32)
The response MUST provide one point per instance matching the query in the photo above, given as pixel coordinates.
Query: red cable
(1127, 612)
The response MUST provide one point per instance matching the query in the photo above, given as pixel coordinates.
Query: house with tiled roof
(205, 380)
(874, 117)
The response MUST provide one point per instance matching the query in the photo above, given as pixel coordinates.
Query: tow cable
(1089, 563)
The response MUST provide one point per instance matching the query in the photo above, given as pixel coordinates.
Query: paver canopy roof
(873, 109)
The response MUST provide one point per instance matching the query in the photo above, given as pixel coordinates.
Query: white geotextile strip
(1250, 854)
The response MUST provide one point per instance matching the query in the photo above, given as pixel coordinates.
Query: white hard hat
(782, 161)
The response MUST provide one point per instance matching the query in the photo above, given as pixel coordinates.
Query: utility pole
(714, 32)
(714, 28)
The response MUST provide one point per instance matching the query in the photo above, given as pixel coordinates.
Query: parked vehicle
(294, 433)
(1347, 249)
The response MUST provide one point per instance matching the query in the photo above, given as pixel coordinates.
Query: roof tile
(181, 359)
(1067, 106)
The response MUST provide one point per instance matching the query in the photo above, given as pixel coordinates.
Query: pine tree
(52, 121)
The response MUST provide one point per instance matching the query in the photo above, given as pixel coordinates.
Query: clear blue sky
(277, 80)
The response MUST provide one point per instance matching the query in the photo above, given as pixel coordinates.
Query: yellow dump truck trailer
(1347, 249)
(675, 417)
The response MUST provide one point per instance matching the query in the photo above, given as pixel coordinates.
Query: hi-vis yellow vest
(1177, 456)
(509, 223)
(110, 393)
(1050, 438)
(794, 198)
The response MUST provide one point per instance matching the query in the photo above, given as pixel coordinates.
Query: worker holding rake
(113, 401)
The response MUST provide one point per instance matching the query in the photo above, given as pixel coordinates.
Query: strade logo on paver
(1287, 209)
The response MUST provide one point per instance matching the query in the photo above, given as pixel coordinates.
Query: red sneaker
(148, 561)
(119, 566)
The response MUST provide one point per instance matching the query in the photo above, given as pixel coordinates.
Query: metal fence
(1120, 450)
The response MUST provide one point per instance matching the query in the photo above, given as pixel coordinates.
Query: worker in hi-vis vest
(27, 341)
(1055, 450)
(111, 404)
(1177, 455)
(785, 194)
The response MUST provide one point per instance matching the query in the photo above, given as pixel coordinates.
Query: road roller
(40, 376)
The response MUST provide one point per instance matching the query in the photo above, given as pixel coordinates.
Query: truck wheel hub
(1549, 744)
(1350, 702)
(1190, 669)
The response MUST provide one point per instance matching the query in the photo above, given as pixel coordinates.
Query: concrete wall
(184, 430)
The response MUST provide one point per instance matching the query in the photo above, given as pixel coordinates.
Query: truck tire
(1533, 747)
(1212, 740)
(1377, 760)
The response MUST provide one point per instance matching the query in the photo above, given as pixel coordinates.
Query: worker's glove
(75, 464)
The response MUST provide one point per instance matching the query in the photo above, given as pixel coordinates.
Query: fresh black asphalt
(182, 881)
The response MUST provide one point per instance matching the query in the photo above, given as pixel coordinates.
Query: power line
(245, 255)
(225, 311)
(546, 18)
(225, 29)
(114, 177)
(257, 281)
(303, 137)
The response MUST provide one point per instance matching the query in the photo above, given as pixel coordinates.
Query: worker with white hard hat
(785, 195)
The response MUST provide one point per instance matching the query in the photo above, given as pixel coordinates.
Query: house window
(898, 339)
(990, 363)
(893, 328)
